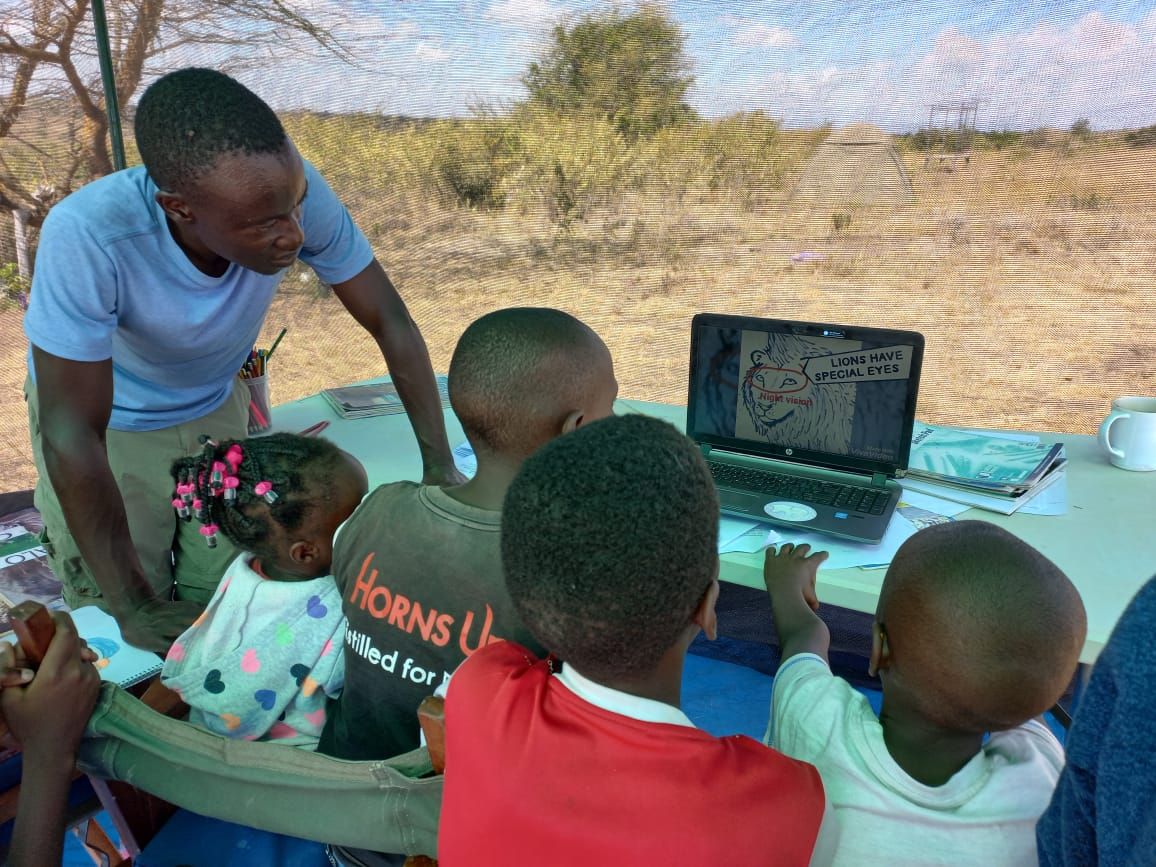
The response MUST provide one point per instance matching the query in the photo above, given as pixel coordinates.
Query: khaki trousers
(176, 561)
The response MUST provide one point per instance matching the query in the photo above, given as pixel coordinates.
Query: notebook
(804, 424)
(118, 661)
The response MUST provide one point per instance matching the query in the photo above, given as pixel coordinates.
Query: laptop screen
(834, 395)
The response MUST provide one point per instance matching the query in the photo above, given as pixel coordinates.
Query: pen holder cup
(260, 413)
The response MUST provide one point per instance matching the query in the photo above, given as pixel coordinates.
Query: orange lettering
(442, 636)
(400, 609)
(462, 642)
(378, 608)
(425, 624)
(363, 584)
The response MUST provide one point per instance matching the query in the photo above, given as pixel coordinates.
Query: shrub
(743, 154)
(1038, 138)
(567, 164)
(997, 140)
(1145, 137)
(472, 160)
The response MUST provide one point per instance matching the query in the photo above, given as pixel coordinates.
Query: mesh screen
(979, 172)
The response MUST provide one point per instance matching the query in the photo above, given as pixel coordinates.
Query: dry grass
(1029, 272)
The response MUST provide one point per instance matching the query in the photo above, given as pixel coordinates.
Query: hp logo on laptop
(789, 452)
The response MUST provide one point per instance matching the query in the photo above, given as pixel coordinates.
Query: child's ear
(303, 552)
(704, 614)
(573, 421)
(880, 652)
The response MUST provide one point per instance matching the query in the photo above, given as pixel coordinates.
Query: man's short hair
(187, 119)
(609, 541)
(988, 630)
(515, 369)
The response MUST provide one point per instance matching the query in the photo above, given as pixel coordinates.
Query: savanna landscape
(1029, 268)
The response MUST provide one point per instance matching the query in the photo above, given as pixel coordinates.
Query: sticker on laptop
(785, 511)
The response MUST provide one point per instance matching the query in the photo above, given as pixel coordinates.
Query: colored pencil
(273, 348)
(258, 416)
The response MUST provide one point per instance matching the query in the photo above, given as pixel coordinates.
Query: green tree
(630, 68)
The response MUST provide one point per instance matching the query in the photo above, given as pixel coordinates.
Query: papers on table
(915, 511)
(1053, 500)
(1056, 504)
(741, 535)
(374, 398)
(999, 471)
(983, 461)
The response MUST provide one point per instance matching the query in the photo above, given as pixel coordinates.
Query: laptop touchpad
(784, 510)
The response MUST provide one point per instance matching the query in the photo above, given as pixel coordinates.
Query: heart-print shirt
(263, 658)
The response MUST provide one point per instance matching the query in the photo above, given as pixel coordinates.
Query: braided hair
(241, 488)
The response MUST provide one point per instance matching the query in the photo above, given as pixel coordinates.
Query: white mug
(1128, 434)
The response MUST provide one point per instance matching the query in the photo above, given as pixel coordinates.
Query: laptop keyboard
(852, 498)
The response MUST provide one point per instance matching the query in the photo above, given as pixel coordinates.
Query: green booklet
(982, 461)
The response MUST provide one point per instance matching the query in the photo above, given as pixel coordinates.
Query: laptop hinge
(878, 480)
(705, 449)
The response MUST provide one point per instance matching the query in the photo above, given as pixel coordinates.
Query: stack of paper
(994, 471)
(373, 398)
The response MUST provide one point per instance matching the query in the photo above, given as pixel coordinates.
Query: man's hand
(793, 568)
(790, 574)
(156, 624)
(442, 476)
(48, 715)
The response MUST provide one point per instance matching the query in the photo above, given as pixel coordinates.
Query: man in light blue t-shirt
(151, 286)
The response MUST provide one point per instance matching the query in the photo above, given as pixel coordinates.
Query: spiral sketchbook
(118, 661)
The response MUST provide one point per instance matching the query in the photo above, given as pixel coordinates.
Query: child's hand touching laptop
(789, 572)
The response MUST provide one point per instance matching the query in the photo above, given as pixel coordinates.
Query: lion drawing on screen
(786, 406)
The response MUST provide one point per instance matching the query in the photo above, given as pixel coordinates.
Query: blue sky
(1030, 63)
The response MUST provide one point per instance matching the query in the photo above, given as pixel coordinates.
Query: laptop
(804, 424)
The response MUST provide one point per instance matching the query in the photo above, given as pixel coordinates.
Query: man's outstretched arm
(75, 405)
(376, 304)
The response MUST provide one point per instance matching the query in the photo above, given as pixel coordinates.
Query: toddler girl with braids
(262, 659)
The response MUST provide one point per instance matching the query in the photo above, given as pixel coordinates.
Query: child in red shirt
(591, 761)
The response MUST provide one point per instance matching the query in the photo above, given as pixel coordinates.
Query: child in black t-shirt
(419, 566)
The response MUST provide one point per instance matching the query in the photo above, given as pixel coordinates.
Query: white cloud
(757, 34)
(1094, 37)
(524, 13)
(1097, 68)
